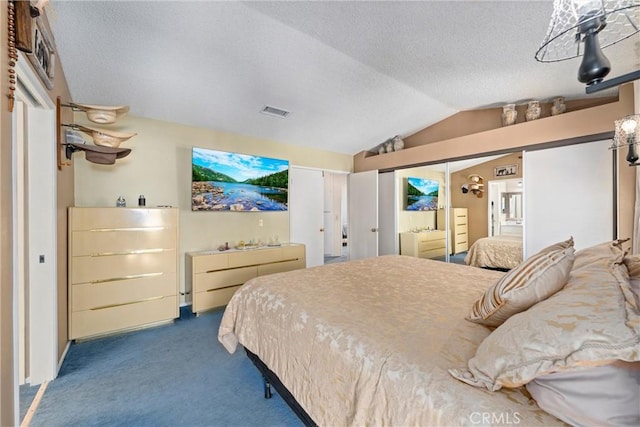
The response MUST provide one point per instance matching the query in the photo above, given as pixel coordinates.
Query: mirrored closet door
(485, 213)
(569, 192)
(423, 194)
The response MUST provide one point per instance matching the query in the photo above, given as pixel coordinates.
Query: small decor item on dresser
(142, 201)
(533, 110)
(381, 148)
(121, 202)
(558, 106)
(398, 143)
(509, 114)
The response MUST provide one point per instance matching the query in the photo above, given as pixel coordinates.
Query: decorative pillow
(532, 281)
(590, 322)
(558, 246)
(606, 395)
(608, 250)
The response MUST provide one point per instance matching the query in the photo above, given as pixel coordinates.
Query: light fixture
(596, 23)
(628, 133)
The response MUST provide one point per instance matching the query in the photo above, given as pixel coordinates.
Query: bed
(497, 252)
(370, 342)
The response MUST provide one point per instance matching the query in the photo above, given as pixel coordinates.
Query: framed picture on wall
(505, 170)
(42, 54)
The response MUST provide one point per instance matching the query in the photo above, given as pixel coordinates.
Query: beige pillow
(558, 246)
(611, 250)
(590, 322)
(532, 281)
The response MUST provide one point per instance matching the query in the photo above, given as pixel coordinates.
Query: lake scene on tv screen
(422, 194)
(224, 181)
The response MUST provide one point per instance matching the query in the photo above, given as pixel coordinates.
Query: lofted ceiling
(352, 73)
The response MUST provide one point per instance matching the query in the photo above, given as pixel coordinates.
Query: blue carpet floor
(173, 375)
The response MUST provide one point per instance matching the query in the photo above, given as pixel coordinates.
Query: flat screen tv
(224, 181)
(422, 194)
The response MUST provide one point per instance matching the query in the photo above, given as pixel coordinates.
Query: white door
(306, 212)
(388, 237)
(363, 215)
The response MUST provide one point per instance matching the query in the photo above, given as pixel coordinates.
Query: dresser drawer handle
(100, 230)
(133, 276)
(252, 265)
(102, 307)
(137, 252)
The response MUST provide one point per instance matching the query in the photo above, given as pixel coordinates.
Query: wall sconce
(475, 186)
(628, 134)
(596, 23)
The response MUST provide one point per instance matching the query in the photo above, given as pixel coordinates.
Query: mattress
(504, 252)
(369, 342)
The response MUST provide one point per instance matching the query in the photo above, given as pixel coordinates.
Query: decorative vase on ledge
(509, 114)
(558, 106)
(398, 143)
(533, 111)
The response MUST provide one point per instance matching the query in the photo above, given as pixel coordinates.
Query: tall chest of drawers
(458, 223)
(215, 276)
(123, 269)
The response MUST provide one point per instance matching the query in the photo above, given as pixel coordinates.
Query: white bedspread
(369, 342)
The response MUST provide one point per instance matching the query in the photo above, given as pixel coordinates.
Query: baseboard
(64, 355)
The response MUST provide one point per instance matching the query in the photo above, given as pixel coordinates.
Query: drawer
(88, 323)
(222, 279)
(105, 218)
(204, 263)
(460, 235)
(88, 269)
(433, 253)
(460, 221)
(279, 267)
(216, 298)
(431, 244)
(254, 257)
(122, 241)
(460, 247)
(88, 296)
(293, 252)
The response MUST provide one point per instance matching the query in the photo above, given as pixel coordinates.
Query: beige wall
(159, 167)
(6, 229)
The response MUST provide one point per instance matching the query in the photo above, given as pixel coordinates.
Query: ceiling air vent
(273, 111)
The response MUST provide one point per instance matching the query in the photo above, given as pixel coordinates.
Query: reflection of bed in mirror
(498, 252)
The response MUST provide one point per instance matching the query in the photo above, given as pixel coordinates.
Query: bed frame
(270, 378)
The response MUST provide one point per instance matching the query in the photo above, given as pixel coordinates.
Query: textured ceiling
(352, 73)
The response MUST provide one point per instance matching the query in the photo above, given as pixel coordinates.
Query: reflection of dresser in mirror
(458, 224)
(423, 244)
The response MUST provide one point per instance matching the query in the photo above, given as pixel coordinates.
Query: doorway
(318, 213)
(336, 242)
(506, 215)
(35, 226)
